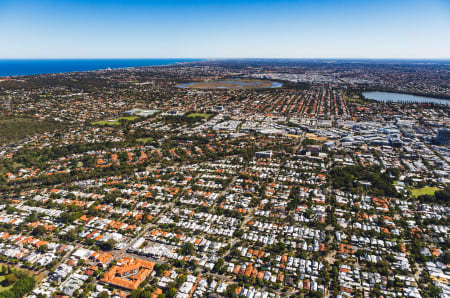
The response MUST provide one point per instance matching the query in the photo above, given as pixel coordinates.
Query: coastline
(13, 68)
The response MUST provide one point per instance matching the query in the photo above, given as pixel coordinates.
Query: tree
(231, 290)
(161, 268)
(446, 258)
(32, 218)
(108, 245)
(39, 231)
(103, 294)
(219, 264)
(238, 233)
(135, 293)
(180, 280)
(172, 292)
(10, 279)
(23, 286)
(69, 236)
(43, 248)
(188, 249)
(434, 291)
(69, 217)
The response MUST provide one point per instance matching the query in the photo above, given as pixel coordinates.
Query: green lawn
(350, 99)
(102, 123)
(427, 190)
(114, 122)
(203, 115)
(128, 118)
(145, 140)
(2, 288)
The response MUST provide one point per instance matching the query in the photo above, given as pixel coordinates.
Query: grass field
(316, 138)
(350, 99)
(109, 123)
(114, 122)
(203, 115)
(129, 118)
(2, 288)
(145, 140)
(427, 190)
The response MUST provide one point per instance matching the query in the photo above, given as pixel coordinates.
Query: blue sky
(225, 29)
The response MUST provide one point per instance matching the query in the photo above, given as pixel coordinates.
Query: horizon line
(225, 58)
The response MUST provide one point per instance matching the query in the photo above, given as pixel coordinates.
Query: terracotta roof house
(129, 273)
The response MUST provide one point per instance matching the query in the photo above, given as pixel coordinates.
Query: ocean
(19, 67)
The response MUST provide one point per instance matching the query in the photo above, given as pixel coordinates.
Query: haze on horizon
(225, 29)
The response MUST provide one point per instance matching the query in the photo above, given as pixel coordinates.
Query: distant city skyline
(415, 29)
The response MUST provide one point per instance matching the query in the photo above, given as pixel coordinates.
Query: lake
(402, 97)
